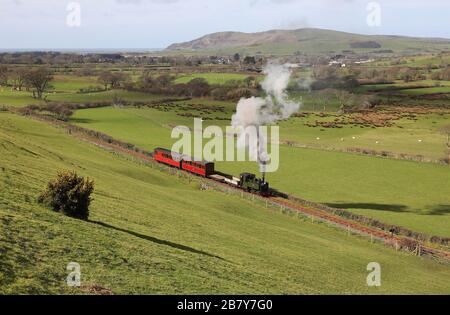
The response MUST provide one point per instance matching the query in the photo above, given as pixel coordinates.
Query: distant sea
(84, 50)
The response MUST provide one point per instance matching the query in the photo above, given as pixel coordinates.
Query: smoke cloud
(258, 111)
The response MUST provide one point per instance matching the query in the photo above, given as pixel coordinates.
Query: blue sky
(32, 24)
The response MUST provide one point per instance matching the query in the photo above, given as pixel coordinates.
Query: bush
(238, 93)
(69, 194)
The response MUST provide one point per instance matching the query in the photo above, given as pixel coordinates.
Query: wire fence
(129, 151)
(398, 243)
(296, 210)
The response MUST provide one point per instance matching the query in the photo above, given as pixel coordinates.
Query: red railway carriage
(202, 168)
(167, 157)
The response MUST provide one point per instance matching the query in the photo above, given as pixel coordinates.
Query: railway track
(389, 239)
(336, 219)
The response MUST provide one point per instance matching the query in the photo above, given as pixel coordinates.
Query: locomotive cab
(251, 183)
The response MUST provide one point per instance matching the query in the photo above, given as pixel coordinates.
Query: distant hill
(308, 40)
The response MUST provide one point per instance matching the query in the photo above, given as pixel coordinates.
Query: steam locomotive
(246, 181)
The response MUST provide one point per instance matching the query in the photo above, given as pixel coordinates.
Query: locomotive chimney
(262, 164)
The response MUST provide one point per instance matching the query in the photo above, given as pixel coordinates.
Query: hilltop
(307, 40)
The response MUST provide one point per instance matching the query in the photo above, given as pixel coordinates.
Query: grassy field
(212, 78)
(426, 86)
(17, 98)
(150, 128)
(305, 41)
(432, 90)
(420, 61)
(421, 136)
(152, 233)
(24, 98)
(311, 101)
(410, 194)
(425, 60)
(71, 83)
(65, 88)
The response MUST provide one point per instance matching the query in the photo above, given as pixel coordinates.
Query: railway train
(246, 181)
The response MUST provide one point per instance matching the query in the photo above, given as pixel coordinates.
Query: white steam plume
(258, 111)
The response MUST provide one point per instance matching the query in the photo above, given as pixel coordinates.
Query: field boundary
(369, 152)
(416, 243)
(64, 110)
(293, 207)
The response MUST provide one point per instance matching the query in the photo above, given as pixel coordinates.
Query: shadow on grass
(7, 274)
(369, 206)
(439, 210)
(7, 270)
(158, 241)
(82, 120)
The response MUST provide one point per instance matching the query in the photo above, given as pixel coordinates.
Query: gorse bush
(69, 194)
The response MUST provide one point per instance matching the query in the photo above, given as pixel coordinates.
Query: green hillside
(404, 193)
(306, 40)
(142, 239)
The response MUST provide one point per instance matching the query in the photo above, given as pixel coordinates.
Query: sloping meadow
(150, 232)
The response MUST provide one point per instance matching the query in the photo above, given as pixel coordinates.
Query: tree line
(37, 80)
(166, 84)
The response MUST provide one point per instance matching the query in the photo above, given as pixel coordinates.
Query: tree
(199, 87)
(349, 102)
(238, 93)
(164, 80)
(39, 79)
(19, 77)
(446, 74)
(146, 79)
(407, 76)
(237, 57)
(441, 75)
(220, 93)
(3, 75)
(69, 194)
(324, 72)
(249, 60)
(118, 79)
(323, 98)
(250, 82)
(233, 83)
(348, 82)
(114, 80)
(105, 78)
(344, 99)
